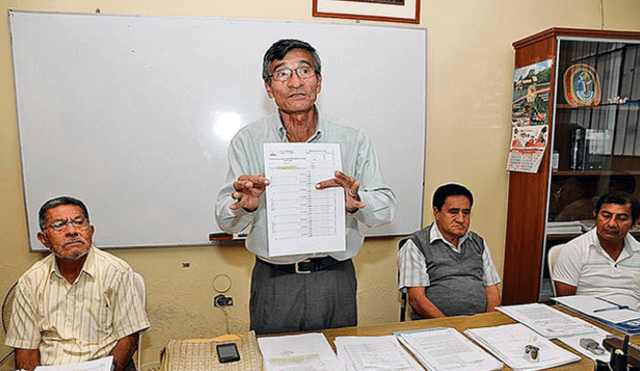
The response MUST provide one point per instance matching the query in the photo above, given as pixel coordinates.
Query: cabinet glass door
(596, 141)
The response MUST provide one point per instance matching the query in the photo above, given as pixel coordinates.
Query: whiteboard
(134, 114)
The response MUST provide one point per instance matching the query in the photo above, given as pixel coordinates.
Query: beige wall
(470, 68)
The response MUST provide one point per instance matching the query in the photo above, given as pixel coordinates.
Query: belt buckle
(297, 267)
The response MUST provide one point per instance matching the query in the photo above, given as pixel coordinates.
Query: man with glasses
(301, 292)
(77, 304)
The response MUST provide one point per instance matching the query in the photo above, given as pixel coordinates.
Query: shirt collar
(628, 249)
(88, 267)
(282, 132)
(435, 234)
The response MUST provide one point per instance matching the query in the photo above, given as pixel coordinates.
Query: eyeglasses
(79, 222)
(285, 73)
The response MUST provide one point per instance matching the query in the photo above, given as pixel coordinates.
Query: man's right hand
(248, 189)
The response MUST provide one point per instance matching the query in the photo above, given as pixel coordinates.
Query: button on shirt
(583, 263)
(413, 267)
(359, 160)
(75, 322)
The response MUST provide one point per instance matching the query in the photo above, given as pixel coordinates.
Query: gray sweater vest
(456, 283)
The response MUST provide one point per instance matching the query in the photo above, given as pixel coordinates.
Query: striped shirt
(80, 321)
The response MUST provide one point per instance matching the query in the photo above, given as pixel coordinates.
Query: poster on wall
(529, 117)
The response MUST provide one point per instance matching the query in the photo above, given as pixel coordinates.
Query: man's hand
(350, 185)
(27, 359)
(248, 189)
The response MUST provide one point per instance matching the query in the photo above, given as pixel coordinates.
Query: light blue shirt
(359, 160)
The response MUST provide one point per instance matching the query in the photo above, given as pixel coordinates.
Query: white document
(598, 335)
(306, 352)
(547, 321)
(300, 218)
(508, 342)
(443, 349)
(374, 353)
(102, 364)
(598, 308)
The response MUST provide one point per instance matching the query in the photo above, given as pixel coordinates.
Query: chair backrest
(7, 307)
(552, 255)
(142, 293)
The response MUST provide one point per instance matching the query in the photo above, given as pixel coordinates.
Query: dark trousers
(285, 302)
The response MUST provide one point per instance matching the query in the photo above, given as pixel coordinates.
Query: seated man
(605, 261)
(445, 268)
(77, 304)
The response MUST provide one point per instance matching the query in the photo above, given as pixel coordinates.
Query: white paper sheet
(508, 342)
(306, 352)
(598, 335)
(302, 219)
(547, 321)
(445, 349)
(374, 353)
(102, 364)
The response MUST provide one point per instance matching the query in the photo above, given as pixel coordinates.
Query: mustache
(75, 240)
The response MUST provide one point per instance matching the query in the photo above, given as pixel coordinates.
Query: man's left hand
(351, 187)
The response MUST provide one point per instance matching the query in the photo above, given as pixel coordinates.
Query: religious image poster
(529, 116)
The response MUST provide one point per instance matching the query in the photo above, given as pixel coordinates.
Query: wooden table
(460, 323)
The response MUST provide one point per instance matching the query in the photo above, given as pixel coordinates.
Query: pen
(618, 307)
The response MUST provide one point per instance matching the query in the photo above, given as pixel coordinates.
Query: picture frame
(405, 11)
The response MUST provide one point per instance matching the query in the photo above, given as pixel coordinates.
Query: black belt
(305, 266)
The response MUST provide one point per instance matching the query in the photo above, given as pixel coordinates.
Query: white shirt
(583, 263)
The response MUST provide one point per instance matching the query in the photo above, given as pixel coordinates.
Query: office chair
(7, 307)
(552, 255)
(142, 293)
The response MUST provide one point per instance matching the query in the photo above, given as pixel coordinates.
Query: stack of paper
(617, 316)
(508, 343)
(546, 321)
(374, 353)
(442, 349)
(299, 352)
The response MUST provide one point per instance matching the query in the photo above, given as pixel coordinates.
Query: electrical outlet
(222, 301)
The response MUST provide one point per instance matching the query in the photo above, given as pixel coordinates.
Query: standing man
(605, 261)
(301, 292)
(77, 304)
(445, 268)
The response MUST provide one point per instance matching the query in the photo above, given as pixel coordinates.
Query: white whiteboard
(133, 114)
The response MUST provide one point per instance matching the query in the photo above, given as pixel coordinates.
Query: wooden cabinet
(594, 137)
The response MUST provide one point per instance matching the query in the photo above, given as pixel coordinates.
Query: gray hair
(59, 201)
(280, 49)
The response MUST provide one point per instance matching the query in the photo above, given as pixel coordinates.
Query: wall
(470, 69)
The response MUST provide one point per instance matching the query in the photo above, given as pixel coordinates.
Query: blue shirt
(359, 160)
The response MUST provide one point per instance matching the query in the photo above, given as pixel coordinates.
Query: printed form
(300, 218)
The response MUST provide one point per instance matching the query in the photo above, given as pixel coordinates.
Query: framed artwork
(407, 11)
(582, 86)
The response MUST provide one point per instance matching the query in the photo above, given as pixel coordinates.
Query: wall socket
(222, 301)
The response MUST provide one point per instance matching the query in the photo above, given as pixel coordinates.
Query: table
(461, 323)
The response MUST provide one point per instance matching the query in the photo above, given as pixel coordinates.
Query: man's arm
(27, 359)
(123, 351)
(562, 289)
(421, 304)
(493, 297)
